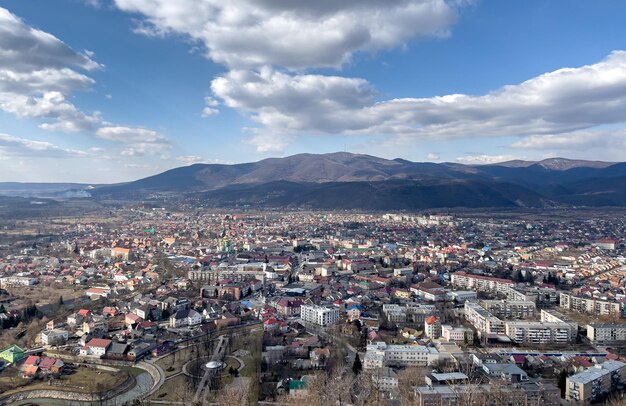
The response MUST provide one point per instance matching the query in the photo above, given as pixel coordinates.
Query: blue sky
(113, 90)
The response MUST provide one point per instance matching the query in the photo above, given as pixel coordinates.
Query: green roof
(296, 385)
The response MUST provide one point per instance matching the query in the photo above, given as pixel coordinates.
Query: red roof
(31, 360)
(47, 363)
(99, 342)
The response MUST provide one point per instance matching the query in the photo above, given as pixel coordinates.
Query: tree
(357, 366)
(60, 300)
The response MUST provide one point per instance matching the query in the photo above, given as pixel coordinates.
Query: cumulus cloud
(562, 101)
(137, 141)
(37, 72)
(293, 34)
(12, 147)
(576, 140)
(432, 156)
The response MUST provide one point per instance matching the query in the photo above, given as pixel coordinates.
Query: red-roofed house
(96, 347)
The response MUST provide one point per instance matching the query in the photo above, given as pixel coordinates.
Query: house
(183, 318)
(54, 337)
(96, 347)
(96, 293)
(288, 307)
(319, 356)
(507, 372)
(132, 318)
(271, 325)
(353, 312)
(12, 354)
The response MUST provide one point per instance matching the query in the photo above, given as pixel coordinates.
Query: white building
(536, 332)
(54, 337)
(481, 283)
(595, 382)
(510, 309)
(380, 355)
(606, 333)
(590, 305)
(456, 334)
(432, 327)
(482, 320)
(319, 315)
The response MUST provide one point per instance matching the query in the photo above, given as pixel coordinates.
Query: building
(319, 315)
(538, 332)
(595, 382)
(480, 283)
(457, 334)
(289, 307)
(510, 309)
(606, 244)
(380, 355)
(606, 333)
(482, 320)
(54, 337)
(96, 347)
(590, 305)
(525, 393)
(185, 318)
(11, 281)
(432, 327)
(385, 379)
(12, 354)
(551, 316)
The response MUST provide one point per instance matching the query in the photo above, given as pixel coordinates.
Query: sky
(102, 91)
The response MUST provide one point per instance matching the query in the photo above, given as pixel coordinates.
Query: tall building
(590, 305)
(480, 283)
(596, 381)
(510, 309)
(484, 322)
(432, 327)
(606, 333)
(537, 332)
(319, 315)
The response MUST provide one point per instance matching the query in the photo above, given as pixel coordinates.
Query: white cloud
(12, 147)
(485, 159)
(37, 72)
(293, 34)
(562, 101)
(209, 111)
(432, 156)
(137, 141)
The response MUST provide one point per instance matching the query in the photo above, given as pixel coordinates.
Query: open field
(82, 380)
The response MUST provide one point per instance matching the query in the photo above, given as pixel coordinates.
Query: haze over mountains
(351, 181)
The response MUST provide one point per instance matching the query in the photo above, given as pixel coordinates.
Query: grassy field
(82, 380)
(177, 389)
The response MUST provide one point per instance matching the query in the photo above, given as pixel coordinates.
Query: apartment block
(606, 333)
(319, 315)
(483, 320)
(537, 332)
(480, 283)
(596, 381)
(510, 309)
(590, 305)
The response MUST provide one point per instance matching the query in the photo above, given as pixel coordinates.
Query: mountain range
(353, 181)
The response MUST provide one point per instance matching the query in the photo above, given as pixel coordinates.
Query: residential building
(607, 333)
(593, 383)
(319, 315)
(480, 283)
(482, 320)
(380, 355)
(54, 337)
(510, 309)
(432, 327)
(590, 305)
(538, 332)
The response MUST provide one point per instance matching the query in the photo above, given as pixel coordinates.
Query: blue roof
(354, 306)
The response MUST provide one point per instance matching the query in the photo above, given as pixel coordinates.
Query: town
(187, 305)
